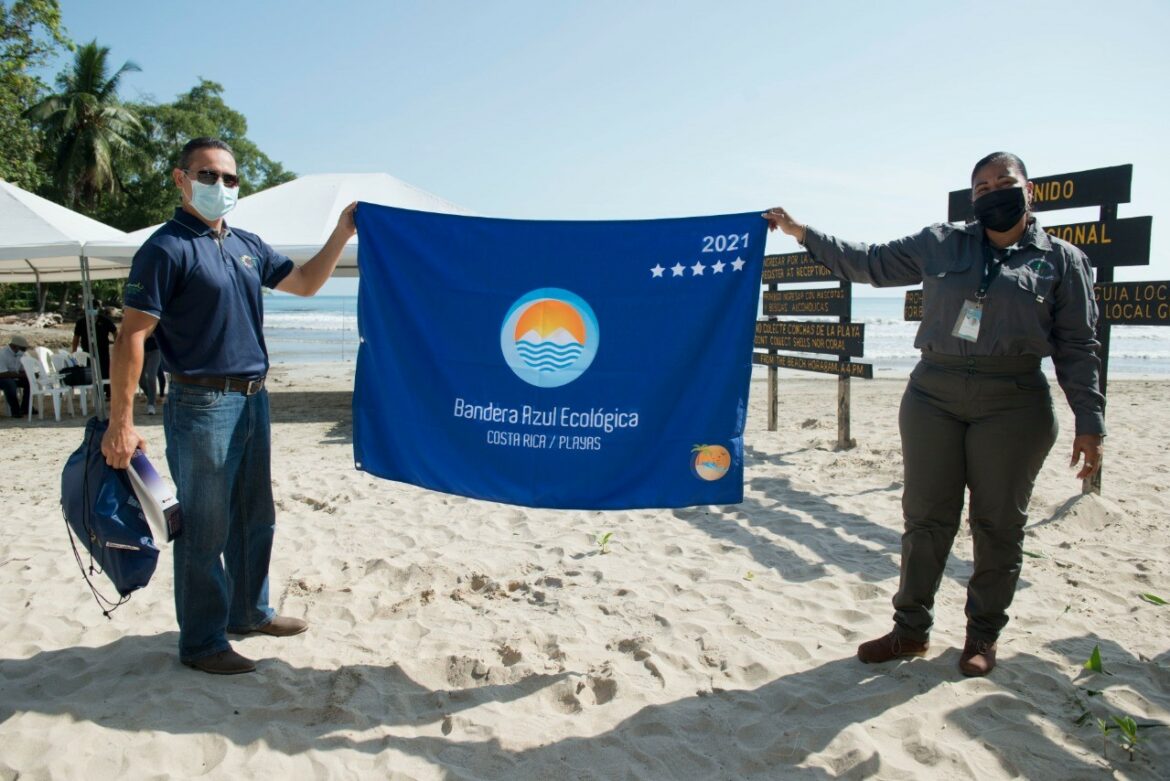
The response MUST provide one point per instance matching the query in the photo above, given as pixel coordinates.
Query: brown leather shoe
(281, 626)
(223, 663)
(889, 647)
(978, 658)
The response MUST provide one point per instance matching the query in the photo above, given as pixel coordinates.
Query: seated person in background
(12, 376)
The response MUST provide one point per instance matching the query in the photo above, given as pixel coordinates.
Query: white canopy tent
(41, 241)
(297, 217)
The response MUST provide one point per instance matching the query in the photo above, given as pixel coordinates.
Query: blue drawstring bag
(102, 510)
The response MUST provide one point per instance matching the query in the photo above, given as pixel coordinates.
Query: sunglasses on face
(209, 177)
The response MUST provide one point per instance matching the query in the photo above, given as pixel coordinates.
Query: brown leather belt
(225, 384)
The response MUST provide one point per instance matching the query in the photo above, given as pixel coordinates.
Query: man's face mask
(1000, 210)
(213, 201)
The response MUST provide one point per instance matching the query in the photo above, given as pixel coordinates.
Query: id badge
(967, 326)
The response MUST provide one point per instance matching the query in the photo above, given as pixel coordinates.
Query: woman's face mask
(1001, 210)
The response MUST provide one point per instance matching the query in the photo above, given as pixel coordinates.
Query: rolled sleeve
(1075, 345)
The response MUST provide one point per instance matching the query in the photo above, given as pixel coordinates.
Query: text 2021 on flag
(590, 365)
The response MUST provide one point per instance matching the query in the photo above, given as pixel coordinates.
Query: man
(13, 378)
(107, 331)
(201, 281)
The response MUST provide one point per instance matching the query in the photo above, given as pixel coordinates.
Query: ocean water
(324, 328)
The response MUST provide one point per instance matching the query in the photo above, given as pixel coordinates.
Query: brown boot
(223, 663)
(891, 646)
(978, 658)
(280, 626)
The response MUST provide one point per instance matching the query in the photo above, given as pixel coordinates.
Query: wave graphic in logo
(549, 337)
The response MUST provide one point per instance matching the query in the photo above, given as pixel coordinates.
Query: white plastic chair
(61, 360)
(45, 356)
(82, 358)
(41, 385)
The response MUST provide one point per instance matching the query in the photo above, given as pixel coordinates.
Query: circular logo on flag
(711, 462)
(549, 337)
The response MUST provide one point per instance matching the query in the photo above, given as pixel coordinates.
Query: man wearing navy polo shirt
(199, 282)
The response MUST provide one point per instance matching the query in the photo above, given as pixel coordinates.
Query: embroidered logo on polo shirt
(247, 260)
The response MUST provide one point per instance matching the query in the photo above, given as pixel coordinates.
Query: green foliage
(603, 540)
(1129, 733)
(149, 194)
(1093, 664)
(30, 33)
(1105, 728)
(87, 130)
(1153, 599)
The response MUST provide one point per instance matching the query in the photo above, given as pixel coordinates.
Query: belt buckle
(254, 387)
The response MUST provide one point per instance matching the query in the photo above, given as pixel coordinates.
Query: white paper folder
(157, 499)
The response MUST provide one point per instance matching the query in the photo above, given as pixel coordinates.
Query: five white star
(678, 269)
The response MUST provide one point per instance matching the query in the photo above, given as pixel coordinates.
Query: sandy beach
(457, 639)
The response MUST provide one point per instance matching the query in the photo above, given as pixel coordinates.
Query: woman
(999, 294)
(148, 381)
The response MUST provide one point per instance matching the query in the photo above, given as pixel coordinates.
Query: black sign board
(1096, 187)
(1120, 303)
(1134, 303)
(912, 309)
(1124, 242)
(794, 267)
(843, 339)
(840, 368)
(825, 301)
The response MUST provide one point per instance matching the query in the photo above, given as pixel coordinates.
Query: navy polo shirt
(205, 291)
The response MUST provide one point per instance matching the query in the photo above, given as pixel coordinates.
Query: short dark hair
(999, 157)
(195, 144)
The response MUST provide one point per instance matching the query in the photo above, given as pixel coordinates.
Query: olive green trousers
(983, 424)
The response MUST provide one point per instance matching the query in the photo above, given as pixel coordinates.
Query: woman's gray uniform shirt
(1040, 303)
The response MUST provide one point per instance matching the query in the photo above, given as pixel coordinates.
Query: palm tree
(86, 127)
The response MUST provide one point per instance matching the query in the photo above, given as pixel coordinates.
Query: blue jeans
(17, 402)
(219, 452)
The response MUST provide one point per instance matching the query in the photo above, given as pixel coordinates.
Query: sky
(857, 117)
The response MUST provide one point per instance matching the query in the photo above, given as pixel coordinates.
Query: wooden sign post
(1109, 242)
(842, 338)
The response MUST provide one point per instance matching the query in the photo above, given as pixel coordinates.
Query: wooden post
(773, 385)
(844, 440)
(773, 398)
(1092, 485)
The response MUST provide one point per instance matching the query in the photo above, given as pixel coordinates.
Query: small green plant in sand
(1128, 728)
(603, 540)
(1129, 733)
(1153, 599)
(749, 575)
(1093, 664)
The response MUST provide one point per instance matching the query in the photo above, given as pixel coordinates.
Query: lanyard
(991, 270)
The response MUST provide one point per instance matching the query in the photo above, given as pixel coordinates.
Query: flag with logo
(586, 365)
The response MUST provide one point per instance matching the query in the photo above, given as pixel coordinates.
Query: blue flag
(586, 365)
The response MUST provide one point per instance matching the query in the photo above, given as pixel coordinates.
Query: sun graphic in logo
(549, 337)
(711, 462)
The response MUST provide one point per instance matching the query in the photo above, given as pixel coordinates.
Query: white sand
(460, 639)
